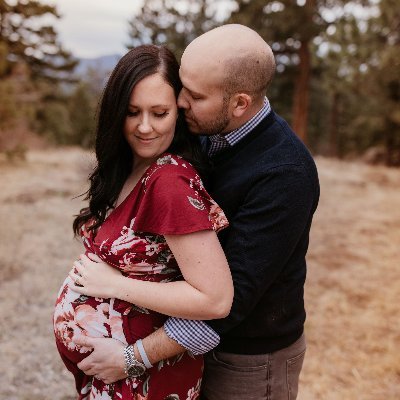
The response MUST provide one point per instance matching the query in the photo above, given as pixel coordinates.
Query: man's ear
(241, 103)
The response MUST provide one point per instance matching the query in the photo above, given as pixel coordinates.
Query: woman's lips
(145, 140)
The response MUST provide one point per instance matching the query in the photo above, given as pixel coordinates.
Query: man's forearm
(178, 335)
(175, 337)
(159, 346)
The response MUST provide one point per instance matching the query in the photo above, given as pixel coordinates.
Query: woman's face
(150, 123)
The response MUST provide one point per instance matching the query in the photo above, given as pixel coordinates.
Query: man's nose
(182, 101)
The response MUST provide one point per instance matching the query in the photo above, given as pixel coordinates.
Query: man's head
(225, 74)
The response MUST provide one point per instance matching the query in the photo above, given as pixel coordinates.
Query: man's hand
(106, 362)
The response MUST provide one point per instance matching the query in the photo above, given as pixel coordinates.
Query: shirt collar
(236, 135)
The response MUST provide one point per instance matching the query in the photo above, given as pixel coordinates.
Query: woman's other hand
(93, 277)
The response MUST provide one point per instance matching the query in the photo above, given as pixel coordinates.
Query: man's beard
(217, 125)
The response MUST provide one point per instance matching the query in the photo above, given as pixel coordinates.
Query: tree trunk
(334, 126)
(392, 145)
(301, 92)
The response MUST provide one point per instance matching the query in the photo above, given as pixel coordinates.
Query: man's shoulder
(279, 145)
(276, 151)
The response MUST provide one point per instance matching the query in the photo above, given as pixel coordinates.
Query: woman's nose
(145, 126)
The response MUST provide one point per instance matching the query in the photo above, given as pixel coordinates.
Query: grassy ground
(352, 291)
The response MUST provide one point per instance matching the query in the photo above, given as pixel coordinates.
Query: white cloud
(90, 28)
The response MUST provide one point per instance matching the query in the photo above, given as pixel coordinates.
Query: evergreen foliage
(81, 110)
(33, 64)
(362, 81)
(23, 39)
(381, 80)
(337, 80)
(173, 23)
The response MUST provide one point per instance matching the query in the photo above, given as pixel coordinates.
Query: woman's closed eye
(133, 113)
(161, 114)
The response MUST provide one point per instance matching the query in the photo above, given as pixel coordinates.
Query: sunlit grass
(352, 290)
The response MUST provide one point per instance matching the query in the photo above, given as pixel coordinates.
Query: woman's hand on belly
(94, 277)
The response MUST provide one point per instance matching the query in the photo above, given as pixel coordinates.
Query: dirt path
(352, 292)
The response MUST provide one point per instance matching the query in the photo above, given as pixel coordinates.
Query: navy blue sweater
(267, 185)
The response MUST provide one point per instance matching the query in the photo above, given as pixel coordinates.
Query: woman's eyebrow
(155, 106)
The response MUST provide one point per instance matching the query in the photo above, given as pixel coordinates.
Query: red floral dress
(168, 199)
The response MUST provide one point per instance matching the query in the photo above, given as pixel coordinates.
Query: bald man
(265, 180)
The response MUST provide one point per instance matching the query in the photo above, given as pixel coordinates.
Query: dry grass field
(352, 291)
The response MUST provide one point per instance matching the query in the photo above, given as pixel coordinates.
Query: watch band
(133, 367)
(143, 354)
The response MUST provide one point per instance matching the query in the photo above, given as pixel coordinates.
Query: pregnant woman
(151, 219)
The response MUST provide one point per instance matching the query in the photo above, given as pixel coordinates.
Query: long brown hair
(113, 153)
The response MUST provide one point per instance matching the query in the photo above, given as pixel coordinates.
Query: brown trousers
(273, 376)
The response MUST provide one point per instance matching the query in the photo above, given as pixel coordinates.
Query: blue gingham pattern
(219, 142)
(195, 336)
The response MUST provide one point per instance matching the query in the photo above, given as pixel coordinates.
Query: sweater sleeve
(263, 235)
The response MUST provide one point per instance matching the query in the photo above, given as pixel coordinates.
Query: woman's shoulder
(170, 166)
(175, 201)
(173, 160)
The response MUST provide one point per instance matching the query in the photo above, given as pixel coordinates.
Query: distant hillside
(101, 64)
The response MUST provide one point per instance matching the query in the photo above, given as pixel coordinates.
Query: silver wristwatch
(133, 367)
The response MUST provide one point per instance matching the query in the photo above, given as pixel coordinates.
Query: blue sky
(91, 28)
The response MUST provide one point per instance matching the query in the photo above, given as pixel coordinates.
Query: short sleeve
(174, 201)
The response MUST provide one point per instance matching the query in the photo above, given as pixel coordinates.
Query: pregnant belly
(76, 315)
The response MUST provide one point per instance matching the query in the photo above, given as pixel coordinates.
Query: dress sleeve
(174, 201)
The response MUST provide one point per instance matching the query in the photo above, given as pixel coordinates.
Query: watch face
(136, 370)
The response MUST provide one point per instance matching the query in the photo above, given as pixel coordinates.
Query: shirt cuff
(195, 336)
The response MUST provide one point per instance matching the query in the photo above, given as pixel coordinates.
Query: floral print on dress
(172, 195)
(194, 392)
(196, 203)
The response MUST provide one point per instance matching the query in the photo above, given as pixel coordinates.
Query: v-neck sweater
(267, 185)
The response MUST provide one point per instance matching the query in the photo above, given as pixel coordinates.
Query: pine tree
(337, 78)
(291, 28)
(382, 76)
(24, 40)
(173, 23)
(81, 107)
(362, 77)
